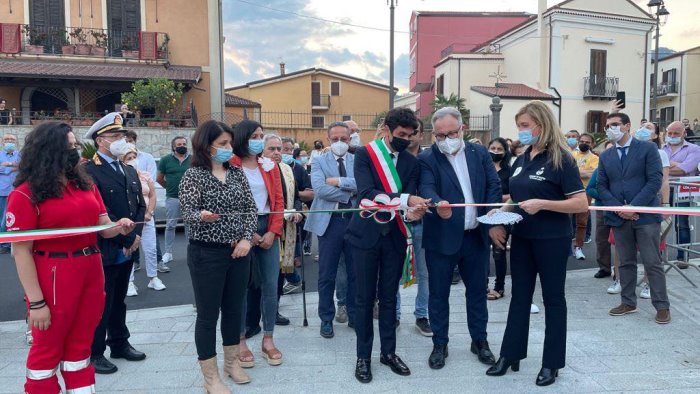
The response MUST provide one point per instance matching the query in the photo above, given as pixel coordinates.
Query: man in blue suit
(379, 249)
(333, 182)
(631, 174)
(456, 171)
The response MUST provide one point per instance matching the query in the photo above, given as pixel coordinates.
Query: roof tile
(513, 90)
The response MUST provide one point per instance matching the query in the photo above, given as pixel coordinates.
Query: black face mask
(318, 146)
(73, 158)
(181, 150)
(584, 148)
(400, 144)
(496, 157)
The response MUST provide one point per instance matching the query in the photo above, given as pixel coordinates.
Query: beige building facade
(677, 87)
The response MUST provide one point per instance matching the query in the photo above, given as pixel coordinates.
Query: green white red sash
(381, 159)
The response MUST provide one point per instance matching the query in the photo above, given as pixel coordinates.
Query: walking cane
(303, 277)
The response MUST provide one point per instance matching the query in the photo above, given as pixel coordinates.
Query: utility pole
(392, 6)
(660, 11)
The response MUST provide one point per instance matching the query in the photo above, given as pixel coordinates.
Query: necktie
(343, 173)
(623, 154)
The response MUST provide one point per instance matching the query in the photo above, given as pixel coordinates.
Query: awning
(91, 71)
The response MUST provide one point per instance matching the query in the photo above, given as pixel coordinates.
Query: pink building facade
(434, 35)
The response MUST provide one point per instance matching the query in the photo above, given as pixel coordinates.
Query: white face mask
(450, 146)
(339, 148)
(119, 147)
(614, 133)
(134, 163)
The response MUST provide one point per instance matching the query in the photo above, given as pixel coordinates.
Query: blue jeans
(266, 267)
(330, 246)
(422, 297)
(682, 230)
(173, 214)
(3, 228)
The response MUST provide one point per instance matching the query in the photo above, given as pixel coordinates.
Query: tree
(451, 101)
(159, 94)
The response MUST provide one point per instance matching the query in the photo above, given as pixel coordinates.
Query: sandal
(494, 295)
(246, 359)
(272, 356)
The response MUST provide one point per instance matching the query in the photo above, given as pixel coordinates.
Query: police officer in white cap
(120, 188)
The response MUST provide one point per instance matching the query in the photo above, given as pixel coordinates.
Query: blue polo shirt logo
(538, 175)
(517, 171)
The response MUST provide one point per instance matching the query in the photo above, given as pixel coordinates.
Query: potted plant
(40, 117)
(61, 40)
(80, 38)
(159, 94)
(154, 122)
(87, 151)
(37, 40)
(100, 47)
(129, 49)
(163, 48)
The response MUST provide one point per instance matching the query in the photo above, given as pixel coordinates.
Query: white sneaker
(156, 284)
(132, 290)
(645, 293)
(534, 308)
(163, 268)
(579, 254)
(615, 288)
(167, 257)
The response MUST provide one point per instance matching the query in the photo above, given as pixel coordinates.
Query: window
(666, 116)
(440, 86)
(318, 122)
(347, 117)
(412, 64)
(335, 88)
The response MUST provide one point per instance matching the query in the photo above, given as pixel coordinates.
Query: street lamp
(661, 11)
(392, 6)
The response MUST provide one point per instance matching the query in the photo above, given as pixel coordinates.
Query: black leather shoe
(327, 329)
(546, 376)
(251, 332)
(394, 362)
(103, 366)
(501, 367)
(481, 349)
(351, 324)
(438, 356)
(601, 274)
(128, 353)
(281, 320)
(363, 370)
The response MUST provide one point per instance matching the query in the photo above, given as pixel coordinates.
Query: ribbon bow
(381, 203)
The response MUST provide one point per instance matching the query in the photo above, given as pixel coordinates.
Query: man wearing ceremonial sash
(382, 245)
(455, 171)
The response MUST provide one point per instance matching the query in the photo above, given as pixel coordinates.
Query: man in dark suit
(455, 171)
(383, 167)
(120, 188)
(631, 174)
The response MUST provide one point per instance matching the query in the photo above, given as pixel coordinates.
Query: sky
(262, 33)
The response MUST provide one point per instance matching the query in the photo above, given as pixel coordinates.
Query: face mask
(674, 140)
(339, 148)
(73, 158)
(181, 150)
(222, 155)
(643, 134)
(496, 157)
(584, 148)
(287, 158)
(571, 141)
(318, 146)
(255, 147)
(10, 146)
(119, 147)
(304, 160)
(526, 137)
(614, 133)
(450, 146)
(399, 144)
(134, 163)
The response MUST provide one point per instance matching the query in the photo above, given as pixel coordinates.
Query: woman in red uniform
(62, 278)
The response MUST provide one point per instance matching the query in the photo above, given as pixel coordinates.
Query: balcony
(603, 88)
(87, 42)
(320, 101)
(666, 89)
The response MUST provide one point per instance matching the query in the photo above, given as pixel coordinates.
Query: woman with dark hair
(517, 148)
(62, 278)
(218, 208)
(498, 149)
(265, 183)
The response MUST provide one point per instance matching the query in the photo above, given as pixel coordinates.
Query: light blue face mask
(674, 140)
(572, 142)
(10, 146)
(287, 158)
(222, 155)
(526, 137)
(643, 134)
(255, 147)
(304, 160)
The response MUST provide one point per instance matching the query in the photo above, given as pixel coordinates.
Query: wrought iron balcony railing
(600, 87)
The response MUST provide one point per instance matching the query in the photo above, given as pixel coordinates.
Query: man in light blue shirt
(9, 160)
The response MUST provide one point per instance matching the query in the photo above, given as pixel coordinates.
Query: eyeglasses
(450, 134)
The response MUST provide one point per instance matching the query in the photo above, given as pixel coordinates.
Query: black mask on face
(584, 148)
(496, 157)
(318, 145)
(181, 150)
(400, 144)
(73, 158)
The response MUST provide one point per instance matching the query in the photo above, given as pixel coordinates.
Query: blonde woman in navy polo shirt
(547, 187)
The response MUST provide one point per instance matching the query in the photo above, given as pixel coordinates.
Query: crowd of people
(243, 194)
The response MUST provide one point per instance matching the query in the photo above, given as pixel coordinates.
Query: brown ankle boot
(232, 366)
(212, 381)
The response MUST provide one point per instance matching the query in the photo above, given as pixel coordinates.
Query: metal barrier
(685, 193)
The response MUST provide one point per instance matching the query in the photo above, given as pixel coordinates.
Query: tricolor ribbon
(381, 203)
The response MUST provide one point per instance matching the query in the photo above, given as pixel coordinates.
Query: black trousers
(529, 258)
(112, 326)
(500, 261)
(219, 282)
(378, 271)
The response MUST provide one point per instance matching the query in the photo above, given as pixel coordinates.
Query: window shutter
(335, 88)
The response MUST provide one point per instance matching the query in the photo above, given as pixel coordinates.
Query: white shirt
(257, 186)
(627, 146)
(404, 196)
(459, 164)
(147, 163)
(665, 162)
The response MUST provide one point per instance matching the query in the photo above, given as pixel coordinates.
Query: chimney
(282, 68)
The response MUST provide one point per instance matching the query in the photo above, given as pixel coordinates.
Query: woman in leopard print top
(220, 212)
